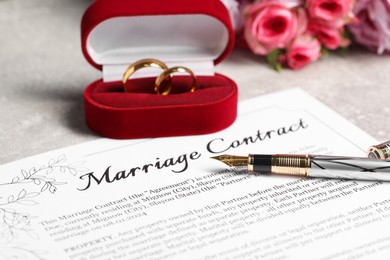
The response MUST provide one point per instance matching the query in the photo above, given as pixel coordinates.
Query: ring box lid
(196, 34)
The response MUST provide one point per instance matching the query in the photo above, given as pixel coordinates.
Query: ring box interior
(194, 34)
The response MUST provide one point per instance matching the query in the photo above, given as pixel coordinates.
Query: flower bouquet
(294, 33)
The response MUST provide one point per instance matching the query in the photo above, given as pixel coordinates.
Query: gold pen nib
(232, 160)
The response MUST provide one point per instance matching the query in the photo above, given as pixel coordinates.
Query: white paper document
(165, 198)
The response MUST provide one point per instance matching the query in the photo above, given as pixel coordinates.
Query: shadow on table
(65, 103)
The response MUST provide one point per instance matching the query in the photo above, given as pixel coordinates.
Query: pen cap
(380, 151)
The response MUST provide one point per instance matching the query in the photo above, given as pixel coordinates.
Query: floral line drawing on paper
(19, 251)
(34, 182)
(48, 183)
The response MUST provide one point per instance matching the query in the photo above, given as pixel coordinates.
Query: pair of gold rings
(165, 76)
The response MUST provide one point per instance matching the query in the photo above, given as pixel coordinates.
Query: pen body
(349, 168)
(321, 166)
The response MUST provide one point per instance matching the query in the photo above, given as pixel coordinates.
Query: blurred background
(43, 75)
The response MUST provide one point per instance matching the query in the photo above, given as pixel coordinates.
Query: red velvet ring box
(195, 34)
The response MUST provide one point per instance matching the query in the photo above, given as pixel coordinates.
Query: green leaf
(343, 51)
(278, 67)
(347, 33)
(324, 52)
(272, 59)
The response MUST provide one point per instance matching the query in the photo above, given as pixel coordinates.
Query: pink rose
(302, 51)
(288, 3)
(332, 38)
(334, 13)
(373, 29)
(271, 25)
(234, 13)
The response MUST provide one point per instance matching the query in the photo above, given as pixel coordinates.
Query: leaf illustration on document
(20, 251)
(39, 175)
(23, 190)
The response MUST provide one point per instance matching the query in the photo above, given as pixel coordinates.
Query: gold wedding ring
(169, 72)
(144, 63)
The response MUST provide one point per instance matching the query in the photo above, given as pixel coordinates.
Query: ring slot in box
(194, 34)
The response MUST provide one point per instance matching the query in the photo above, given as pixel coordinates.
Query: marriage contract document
(166, 199)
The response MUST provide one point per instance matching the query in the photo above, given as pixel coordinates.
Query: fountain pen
(321, 166)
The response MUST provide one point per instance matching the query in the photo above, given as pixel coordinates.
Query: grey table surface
(43, 75)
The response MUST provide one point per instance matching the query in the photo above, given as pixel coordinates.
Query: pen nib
(232, 160)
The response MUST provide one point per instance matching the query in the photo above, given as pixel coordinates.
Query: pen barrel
(349, 168)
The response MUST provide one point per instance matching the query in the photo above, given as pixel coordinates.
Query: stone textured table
(43, 75)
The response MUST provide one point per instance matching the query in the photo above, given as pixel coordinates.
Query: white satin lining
(194, 41)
